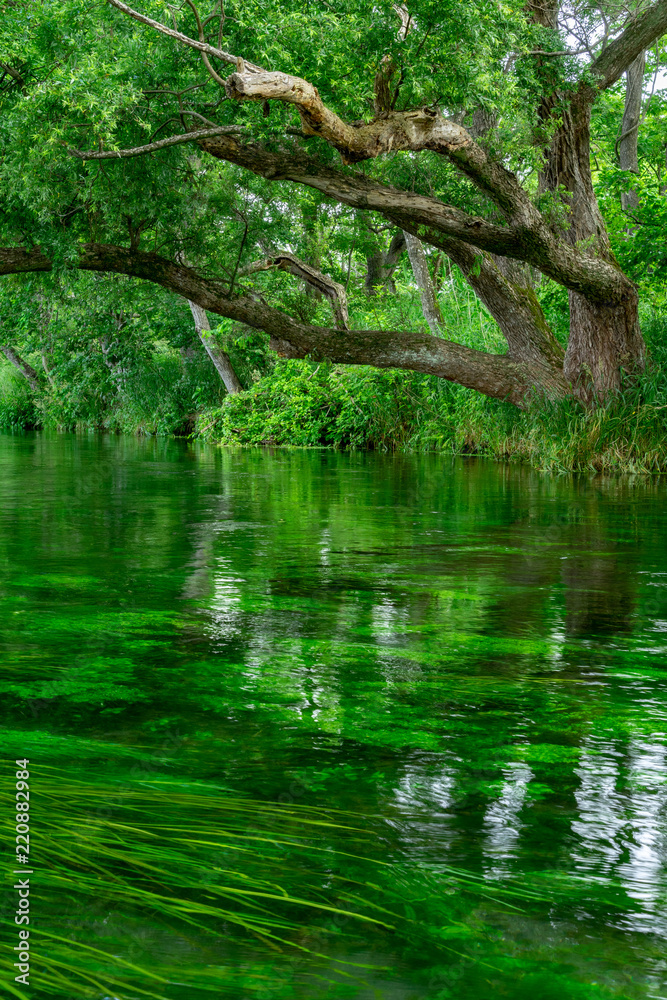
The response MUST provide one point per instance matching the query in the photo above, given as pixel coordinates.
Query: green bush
(18, 411)
(307, 405)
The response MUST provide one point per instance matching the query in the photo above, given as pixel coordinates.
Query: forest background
(364, 225)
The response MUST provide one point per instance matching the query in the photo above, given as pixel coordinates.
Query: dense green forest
(434, 227)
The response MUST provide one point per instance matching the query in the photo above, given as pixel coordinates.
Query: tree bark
(382, 264)
(422, 276)
(605, 339)
(628, 158)
(221, 360)
(22, 366)
(516, 310)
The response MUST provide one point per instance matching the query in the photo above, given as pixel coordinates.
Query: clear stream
(313, 725)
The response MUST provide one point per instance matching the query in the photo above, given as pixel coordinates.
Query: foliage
(123, 356)
(17, 404)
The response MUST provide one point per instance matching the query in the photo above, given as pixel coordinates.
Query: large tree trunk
(505, 291)
(605, 338)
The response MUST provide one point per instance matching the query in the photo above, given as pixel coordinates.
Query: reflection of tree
(397, 636)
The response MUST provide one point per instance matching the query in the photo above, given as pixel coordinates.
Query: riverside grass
(317, 406)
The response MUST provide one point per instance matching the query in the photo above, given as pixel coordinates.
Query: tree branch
(430, 219)
(151, 147)
(420, 271)
(420, 129)
(322, 283)
(417, 130)
(638, 36)
(221, 360)
(179, 36)
(494, 375)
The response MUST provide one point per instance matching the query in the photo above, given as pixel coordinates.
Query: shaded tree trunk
(381, 265)
(22, 366)
(628, 158)
(422, 276)
(221, 360)
(517, 311)
(605, 338)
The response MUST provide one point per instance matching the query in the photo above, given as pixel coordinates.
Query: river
(307, 725)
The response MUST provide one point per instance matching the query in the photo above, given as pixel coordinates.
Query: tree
(371, 92)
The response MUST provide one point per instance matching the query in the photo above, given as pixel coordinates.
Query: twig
(180, 37)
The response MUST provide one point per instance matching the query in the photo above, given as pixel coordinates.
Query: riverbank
(301, 404)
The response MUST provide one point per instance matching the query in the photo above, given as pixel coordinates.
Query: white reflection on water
(224, 607)
(503, 819)
(423, 801)
(621, 828)
(643, 874)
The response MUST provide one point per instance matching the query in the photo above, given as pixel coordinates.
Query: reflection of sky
(224, 606)
(423, 801)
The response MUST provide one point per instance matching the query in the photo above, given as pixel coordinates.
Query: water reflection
(472, 655)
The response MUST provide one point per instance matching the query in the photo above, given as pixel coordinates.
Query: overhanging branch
(494, 375)
(429, 218)
(151, 147)
(178, 36)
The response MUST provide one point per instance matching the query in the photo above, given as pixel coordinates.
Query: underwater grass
(132, 900)
(237, 873)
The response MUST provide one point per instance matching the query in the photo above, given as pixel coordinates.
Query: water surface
(408, 713)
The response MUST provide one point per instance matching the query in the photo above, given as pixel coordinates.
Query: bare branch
(207, 63)
(429, 299)
(151, 147)
(221, 360)
(334, 291)
(179, 36)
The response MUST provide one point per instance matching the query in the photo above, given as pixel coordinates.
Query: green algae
(417, 708)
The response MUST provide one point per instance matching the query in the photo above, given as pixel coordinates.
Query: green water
(308, 725)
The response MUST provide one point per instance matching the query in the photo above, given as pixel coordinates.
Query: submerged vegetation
(324, 726)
